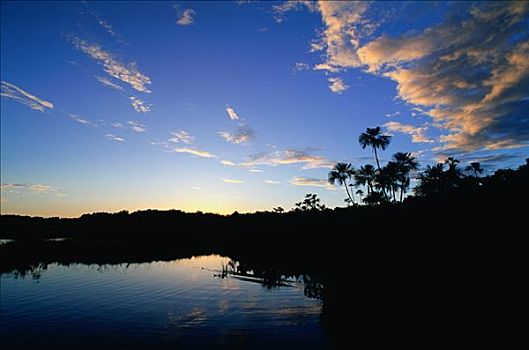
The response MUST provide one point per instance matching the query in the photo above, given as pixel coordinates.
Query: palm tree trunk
(376, 157)
(347, 190)
(401, 192)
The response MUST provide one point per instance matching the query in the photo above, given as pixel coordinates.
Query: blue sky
(223, 106)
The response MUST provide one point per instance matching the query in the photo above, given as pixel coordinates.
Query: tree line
(390, 183)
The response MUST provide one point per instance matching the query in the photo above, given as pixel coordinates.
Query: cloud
(117, 125)
(344, 25)
(108, 83)
(196, 188)
(272, 182)
(289, 156)
(256, 171)
(195, 152)
(181, 137)
(300, 66)
(391, 115)
(228, 163)
(127, 73)
(32, 188)
(186, 17)
(114, 138)
(243, 134)
(337, 85)
(105, 25)
(13, 92)
(469, 73)
(232, 181)
(139, 105)
(280, 10)
(137, 126)
(417, 133)
(80, 119)
(310, 182)
(231, 113)
(159, 143)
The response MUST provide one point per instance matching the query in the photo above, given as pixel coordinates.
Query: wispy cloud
(272, 182)
(139, 105)
(231, 113)
(417, 133)
(391, 115)
(256, 171)
(186, 17)
(243, 134)
(279, 11)
(108, 28)
(195, 152)
(289, 156)
(108, 83)
(310, 182)
(81, 119)
(13, 92)
(469, 73)
(32, 188)
(113, 137)
(117, 125)
(227, 163)
(196, 188)
(300, 66)
(181, 136)
(137, 126)
(337, 85)
(232, 181)
(164, 144)
(127, 73)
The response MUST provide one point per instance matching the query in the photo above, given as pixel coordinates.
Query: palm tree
(431, 181)
(406, 163)
(452, 163)
(476, 168)
(374, 138)
(340, 173)
(453, 174)
(387, 180)
(365, 176)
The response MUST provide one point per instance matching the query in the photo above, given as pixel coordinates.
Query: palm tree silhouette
(476, 168)
(452, 163)
(386, 180)
(365, 176)
(406, 163)
(340, 173)
(374, 138)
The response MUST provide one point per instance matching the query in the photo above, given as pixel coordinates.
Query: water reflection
(200, 302)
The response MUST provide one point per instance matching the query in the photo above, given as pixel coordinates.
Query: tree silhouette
(365, 176)
(310, 202)
(373, 137)
(279, 210)
(340, 173)
(406, 163)
(386, 180)
(476, 168)
(435, 180)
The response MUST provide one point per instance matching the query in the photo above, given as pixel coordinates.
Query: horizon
(245, 106)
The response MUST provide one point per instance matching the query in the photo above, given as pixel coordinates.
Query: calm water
(177, 304)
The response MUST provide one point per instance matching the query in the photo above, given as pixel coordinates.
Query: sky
(246, 105)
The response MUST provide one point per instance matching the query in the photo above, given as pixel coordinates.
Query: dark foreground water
(179, 304)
